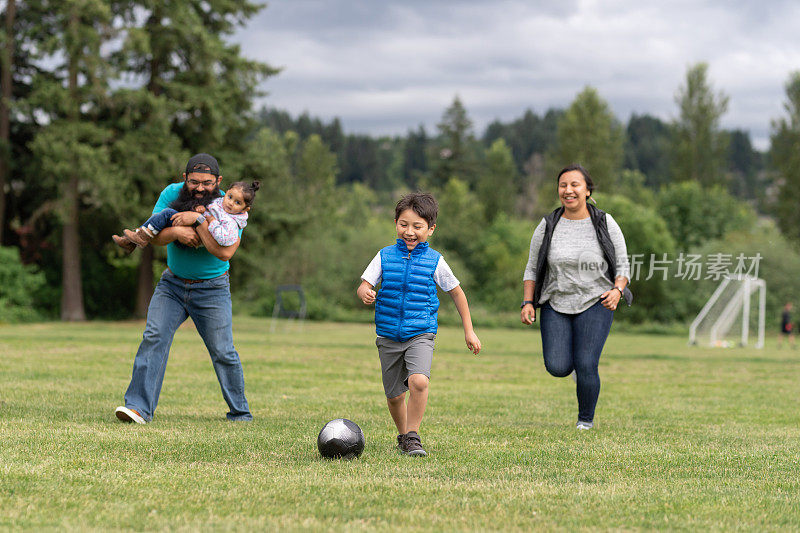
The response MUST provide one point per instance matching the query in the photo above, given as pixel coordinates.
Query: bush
(695, 215)
(22, 289)
(504, 247)
(646, 235)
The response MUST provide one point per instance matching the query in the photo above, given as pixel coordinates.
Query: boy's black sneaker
(412, 445)
(401, 442)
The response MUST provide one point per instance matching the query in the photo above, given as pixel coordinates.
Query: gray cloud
(385, 67)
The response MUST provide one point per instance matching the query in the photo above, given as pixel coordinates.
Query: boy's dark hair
(587, 178)
(422, 203)
(248, 190)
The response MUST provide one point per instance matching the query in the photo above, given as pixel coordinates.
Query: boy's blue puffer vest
(407, 304)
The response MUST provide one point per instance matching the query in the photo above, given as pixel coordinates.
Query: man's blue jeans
(208, 303)
(575, 342)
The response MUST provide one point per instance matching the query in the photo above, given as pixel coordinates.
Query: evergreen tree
(275, 119)
(549, 128)
(73, 147)
(527, 136)
(495, 130)
(698, 146)
(523, 136)
(743, 164)
(149, 155)
(785, 156)
(333, 136)
(497, 187)
(415, 159)
(197, 97)
(305, 126)
(456, 147)
(23, 31)
(361, 161)
(589, 134)
(648, 148)
(7, 36)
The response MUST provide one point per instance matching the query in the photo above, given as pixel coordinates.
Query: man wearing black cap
(195, 284)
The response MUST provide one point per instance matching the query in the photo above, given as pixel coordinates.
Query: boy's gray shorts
(401, 359)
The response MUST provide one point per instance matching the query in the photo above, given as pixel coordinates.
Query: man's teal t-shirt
(185, 262)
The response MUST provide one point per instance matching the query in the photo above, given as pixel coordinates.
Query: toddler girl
(226, 216)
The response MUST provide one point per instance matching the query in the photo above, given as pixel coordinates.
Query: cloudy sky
(385, 67)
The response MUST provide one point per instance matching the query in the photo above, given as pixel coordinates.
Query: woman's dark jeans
(575, 342)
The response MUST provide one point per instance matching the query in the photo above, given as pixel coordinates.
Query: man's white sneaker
(584, 425)
(129, 415)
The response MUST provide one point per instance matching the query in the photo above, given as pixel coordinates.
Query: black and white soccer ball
(341, 439)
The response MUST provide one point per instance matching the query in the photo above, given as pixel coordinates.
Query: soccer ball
(340, 438)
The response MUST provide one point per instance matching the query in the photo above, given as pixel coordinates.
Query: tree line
(103, 101)
(661, 151)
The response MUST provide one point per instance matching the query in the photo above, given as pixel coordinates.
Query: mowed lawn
(685, 438)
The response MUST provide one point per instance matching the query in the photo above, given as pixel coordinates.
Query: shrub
(22, 289)
(646, 234)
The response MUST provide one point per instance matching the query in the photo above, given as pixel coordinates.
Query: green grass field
(685, 438)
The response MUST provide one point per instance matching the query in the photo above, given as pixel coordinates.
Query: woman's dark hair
(248, 190)
(422, 203)
(587, 178)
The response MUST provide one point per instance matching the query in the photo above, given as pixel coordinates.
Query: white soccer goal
(725, 319)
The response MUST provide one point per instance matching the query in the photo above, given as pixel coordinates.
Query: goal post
(726, 319)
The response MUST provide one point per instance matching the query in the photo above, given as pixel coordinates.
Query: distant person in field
(787, 329)
(195, 284)
(577, 273)
(226, 216)
(406, 309)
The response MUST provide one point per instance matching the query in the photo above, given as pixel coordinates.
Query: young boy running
(406, 313)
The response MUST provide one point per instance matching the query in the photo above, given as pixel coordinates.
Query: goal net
(734, 311)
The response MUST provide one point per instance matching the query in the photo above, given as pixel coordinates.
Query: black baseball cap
(203, 160)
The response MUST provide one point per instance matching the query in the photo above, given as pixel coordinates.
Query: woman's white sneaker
(584, 425)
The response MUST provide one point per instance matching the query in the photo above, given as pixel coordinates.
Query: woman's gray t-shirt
(576, 271)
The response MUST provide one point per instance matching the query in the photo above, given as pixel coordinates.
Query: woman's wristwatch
(620, 291)
(526, 302)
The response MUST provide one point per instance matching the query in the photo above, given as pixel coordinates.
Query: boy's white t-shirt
(443, 276)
